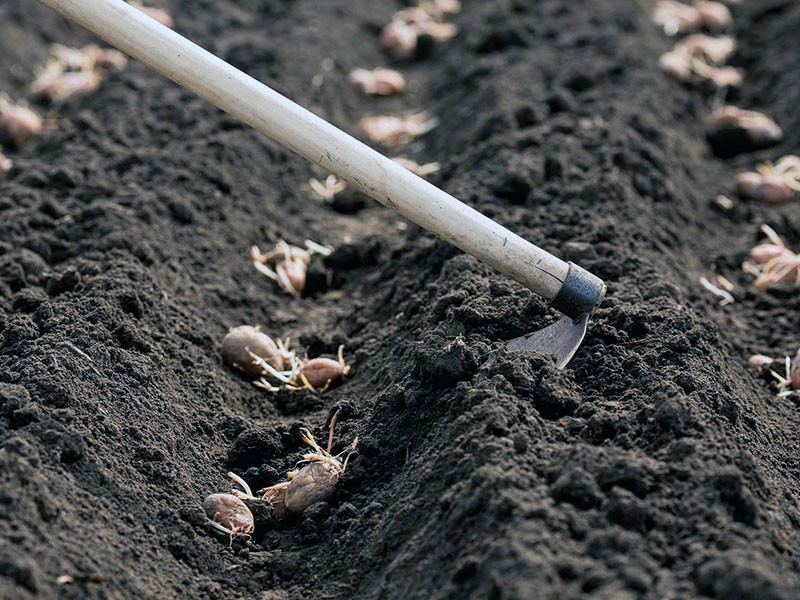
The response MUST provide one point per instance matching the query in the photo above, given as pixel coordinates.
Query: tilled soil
(655, 466)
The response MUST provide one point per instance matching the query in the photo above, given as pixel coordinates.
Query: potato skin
(314, 483)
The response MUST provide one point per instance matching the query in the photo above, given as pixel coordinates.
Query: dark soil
(655, 466)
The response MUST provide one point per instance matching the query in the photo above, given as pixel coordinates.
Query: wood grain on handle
(302, 132)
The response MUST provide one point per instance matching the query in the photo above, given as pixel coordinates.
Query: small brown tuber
(242, 342)
(227, 513)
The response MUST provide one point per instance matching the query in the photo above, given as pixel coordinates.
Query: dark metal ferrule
(580, 294)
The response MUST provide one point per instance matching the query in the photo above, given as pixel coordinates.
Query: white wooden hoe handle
(302, 132)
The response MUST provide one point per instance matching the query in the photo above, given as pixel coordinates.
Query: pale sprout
(714, 16)
(722, 289)
(327, 190)
(676, 17)
(399, 39)
(69, 86)
(438, 9)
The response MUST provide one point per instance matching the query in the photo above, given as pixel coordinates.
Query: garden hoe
(570, 289)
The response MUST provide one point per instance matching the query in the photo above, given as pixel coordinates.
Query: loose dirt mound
(654, 466)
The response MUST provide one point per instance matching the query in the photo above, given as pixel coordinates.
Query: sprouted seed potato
(73, 72)
(312, 483)
(789, 380)
(228, 514)
(772, 262)
(241, 343)
(400, 36)
(700, 57)
(397, 131)
(677, 17)
(766, 188)
(286, 264)
(18, 124)
(773, 183)
(320, 372)
(378, 82)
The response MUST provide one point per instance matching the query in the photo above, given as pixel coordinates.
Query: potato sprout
(327, 190)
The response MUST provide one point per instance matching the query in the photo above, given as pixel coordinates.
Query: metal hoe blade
(559, 340)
